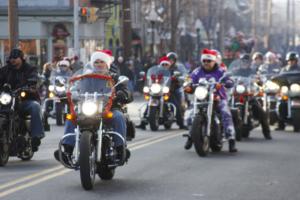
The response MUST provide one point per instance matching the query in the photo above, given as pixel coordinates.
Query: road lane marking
(52, 172)
(29, 177)
(34, 182)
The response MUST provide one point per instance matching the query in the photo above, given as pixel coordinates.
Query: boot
(142, 126)
(267, 135)
(66, 155)
(232, 148)
(188, 143)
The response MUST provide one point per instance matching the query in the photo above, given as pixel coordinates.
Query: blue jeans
(177, 98)
(33, 108)
(117, 123)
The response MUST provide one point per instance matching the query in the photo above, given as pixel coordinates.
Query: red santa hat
(164, 60)
(208, 54)
(104, 55)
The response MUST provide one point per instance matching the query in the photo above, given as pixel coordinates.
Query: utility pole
(173, 25)
(294, 24)
(288, 25)
(13, 24)
(76, 27)
(269, 26)
(254, 19)
(127, 35)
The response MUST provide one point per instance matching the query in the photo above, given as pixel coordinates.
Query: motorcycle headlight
(166, 90)
(284, 90)
(201, 93)
(51, 88)
(60, 89)
(271, 86)
(5, 98)
(240, 89)
(155, 88)
(295, 88)
(146, 89)
(89, 108)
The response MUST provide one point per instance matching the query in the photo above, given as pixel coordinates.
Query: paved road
(161, 169)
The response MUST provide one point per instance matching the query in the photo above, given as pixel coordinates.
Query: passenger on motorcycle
(271, 65)
(257, 60)
(100, 63)
(18, 73)
(210, 69)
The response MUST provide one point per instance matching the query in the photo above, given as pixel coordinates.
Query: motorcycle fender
(154, 102)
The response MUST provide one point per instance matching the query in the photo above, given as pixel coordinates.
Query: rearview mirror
(122, 80)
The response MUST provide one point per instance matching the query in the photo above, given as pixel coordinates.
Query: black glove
(121, 96)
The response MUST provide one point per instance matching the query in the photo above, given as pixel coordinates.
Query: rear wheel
(87, 159)
(200, 140)
(154, 118)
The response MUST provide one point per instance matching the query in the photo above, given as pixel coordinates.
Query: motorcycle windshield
(287, 78)
(159, 75)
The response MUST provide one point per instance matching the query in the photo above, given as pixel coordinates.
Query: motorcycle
(207, 129)
(55, 106)
(158, 111)
(94, 151)
(244, 92)
(290, 98)
(15, 137)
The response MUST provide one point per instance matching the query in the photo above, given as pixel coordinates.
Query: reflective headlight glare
(284, 90)
(272, 86)
(51, 88)
(155, 88)
(240, 89)
(60, 89)
(89, 108)
(201, 93)
(146, 89)
(5, 98)
(166, 90)
(295, 88)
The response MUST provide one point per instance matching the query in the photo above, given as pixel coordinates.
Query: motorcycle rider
(18, 73)
(292, 62)
(178, 97)
(100, 63)
(246, 70)
(257, 60)
(211, 69)
(292, 65)
(271, 65)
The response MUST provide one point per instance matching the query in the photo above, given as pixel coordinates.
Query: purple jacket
(217, 73)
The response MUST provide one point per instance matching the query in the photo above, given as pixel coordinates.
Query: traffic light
(83, 13)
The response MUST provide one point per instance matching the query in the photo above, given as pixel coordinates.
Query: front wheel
(59, 114)
(199, 138)
(106, 173)
(4, 153)
(154, 118)
(296, 120)
(87, 159)
(238, 124)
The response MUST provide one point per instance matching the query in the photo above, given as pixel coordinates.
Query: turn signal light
(69, 117)
(51, 94)
(108, 115)
(166, 97)
(147, 97)
(285, 98)
(23, 94)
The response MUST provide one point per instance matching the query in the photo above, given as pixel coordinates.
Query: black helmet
(245, 57)
(172, 56)
(16, 53)
(292, 55)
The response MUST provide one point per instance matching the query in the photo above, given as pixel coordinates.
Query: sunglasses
(63, 66)
(207, 61)
(165, 65)
(99, 62)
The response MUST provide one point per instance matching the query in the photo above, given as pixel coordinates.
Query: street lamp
(153, 17)
(198, 26)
